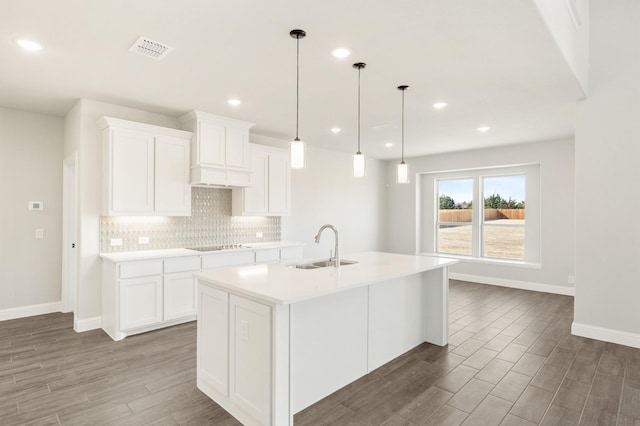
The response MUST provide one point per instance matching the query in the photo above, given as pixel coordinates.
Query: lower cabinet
(139, 296)
(144, 295)
(179, 291)
(234, 354)
(140, 301)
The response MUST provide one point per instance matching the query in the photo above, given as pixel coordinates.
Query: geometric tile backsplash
(210, 223)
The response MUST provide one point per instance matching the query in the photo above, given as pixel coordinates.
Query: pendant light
(402, 175)
(297, 146)
(358, 158)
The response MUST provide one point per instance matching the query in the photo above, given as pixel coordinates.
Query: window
(503, 217)
(490, 214)
(454, 216)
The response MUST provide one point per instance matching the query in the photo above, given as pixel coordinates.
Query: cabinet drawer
(140, 269)
(222, 260)
(290, 253)
(267, 256)
(182, 264)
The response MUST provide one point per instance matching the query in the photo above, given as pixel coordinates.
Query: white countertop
(278, 284)
(125, 256)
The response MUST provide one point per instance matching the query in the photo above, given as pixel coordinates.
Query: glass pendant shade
(402, 173)
(358, 165)
(296, 148)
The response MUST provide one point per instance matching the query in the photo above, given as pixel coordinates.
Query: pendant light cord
(297, 83)
(402, 160)
(359, 69)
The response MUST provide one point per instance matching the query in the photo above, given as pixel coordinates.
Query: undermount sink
(321, 264)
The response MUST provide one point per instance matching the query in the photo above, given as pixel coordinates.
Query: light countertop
(125, 256)
(279, 284)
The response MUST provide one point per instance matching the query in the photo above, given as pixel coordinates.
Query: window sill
(487, 261)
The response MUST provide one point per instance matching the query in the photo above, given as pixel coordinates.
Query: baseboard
(29, 311)
(86, 324)
(522, 285)
(606, 334)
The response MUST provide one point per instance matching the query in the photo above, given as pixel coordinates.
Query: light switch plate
(258, 234)
(39, 233)
(116, 242)
(143, 240)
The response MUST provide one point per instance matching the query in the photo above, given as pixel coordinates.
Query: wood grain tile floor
(511, 361)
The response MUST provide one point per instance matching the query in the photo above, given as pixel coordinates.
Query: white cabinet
(227, 259)
(143, 295)
(290, 253)
(212, 360)
(145, 169)
(250, 357)
(270, 190)
(140, 302)
(267, 256)
(220, 149)
(179, 287)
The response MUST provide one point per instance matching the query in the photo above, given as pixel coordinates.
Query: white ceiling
(493, 61)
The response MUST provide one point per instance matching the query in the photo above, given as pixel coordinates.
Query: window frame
(428, 207)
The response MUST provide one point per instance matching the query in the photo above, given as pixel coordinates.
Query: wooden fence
(464, 215)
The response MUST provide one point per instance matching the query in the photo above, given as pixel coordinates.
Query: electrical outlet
(571, 279)
(244, 330)
(258, 234)
(116, 242)
(39, 233)
(143, 240)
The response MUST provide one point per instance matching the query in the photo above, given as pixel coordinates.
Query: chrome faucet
(337, 248)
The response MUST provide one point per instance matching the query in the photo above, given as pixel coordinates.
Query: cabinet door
(279, 185)
(256, 199)
(140, 301)
(211, 146)
(237, 146)
(179, 295)
(250, 357)
(131, 172)
(213, 339)
(172, 187)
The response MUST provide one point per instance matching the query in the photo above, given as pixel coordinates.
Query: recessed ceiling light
(440, 105)
(484, 129)
(336, 130)
(341, 52)
(388, 144)
(234, 102)
(29, 45)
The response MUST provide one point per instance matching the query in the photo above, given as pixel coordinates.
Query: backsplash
(210, 223)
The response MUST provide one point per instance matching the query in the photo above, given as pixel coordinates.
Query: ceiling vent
(152, 49)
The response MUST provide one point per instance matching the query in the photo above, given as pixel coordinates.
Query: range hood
(219, 150)
(219, 177)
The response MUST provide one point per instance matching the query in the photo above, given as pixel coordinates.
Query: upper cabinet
(145, 169)
(219, 150)
(270, 190)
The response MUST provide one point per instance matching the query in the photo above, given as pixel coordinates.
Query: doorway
(69, 233)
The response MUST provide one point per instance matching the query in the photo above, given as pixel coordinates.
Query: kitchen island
(273, 339)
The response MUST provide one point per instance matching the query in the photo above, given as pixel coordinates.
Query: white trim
(606, 334)
(29, 311)
(80, 325)
(522, 285)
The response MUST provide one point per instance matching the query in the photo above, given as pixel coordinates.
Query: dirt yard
(503, 239)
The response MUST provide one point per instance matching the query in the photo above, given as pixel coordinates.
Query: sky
(461, 190)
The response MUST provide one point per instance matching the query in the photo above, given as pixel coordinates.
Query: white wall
(30, 170)
(568, 24)
(326, 192)
(556, 159)
(81, 123)
(607, 179)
